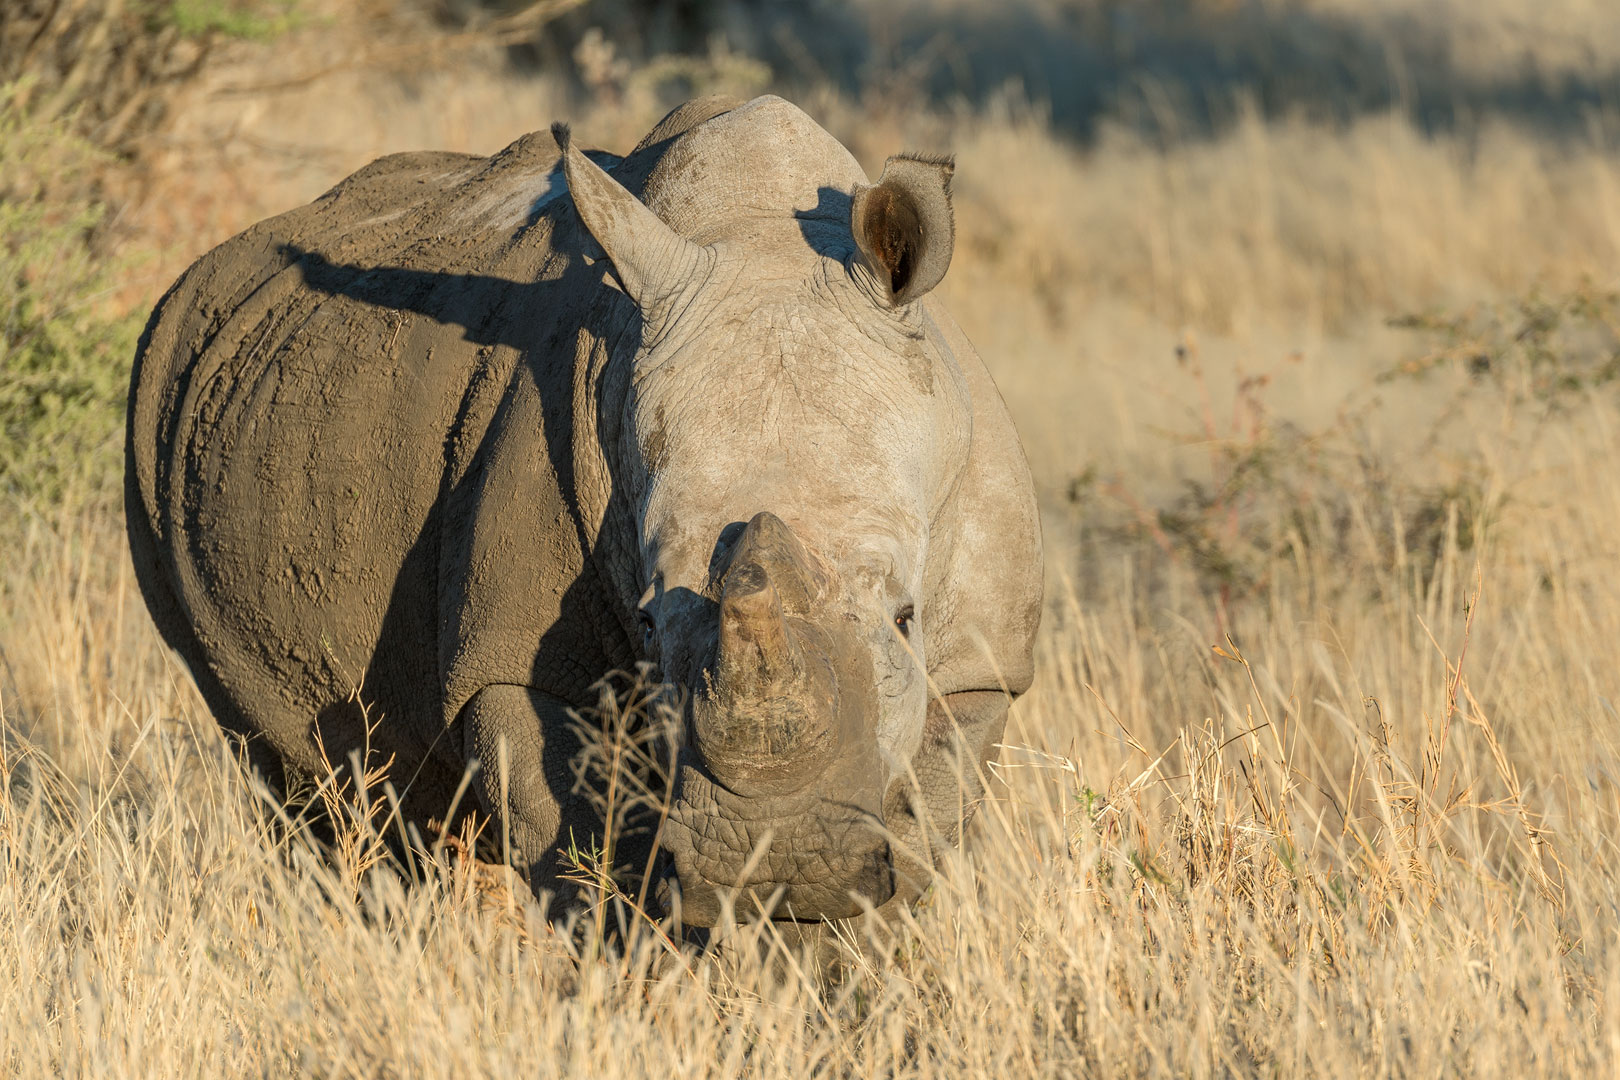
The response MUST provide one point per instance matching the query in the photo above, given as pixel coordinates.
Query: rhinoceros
(412, 468)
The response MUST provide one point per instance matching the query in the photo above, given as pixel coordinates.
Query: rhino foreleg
(523, 744)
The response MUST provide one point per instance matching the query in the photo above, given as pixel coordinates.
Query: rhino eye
(647, 626)
(903, 619)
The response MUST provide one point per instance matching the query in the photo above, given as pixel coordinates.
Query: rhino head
(791, 436)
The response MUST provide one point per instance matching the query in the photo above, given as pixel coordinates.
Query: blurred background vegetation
(1282, 177)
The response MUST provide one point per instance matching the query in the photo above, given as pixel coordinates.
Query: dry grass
(1373, 838)
(1352, 819)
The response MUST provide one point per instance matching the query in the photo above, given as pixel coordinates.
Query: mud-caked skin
(468, 434)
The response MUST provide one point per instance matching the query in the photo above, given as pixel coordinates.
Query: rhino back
(300, 400)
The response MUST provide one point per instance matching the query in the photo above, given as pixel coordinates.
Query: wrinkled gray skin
(471, 433)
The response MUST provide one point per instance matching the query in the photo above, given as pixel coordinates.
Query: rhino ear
(651, 259)
(903, 225)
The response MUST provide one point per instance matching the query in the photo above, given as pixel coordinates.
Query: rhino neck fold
(603, 498)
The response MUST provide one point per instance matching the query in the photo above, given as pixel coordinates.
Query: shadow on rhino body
(575, 653)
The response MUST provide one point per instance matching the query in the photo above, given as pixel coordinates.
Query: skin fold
(411, 468)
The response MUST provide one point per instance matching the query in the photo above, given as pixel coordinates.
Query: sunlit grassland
(1371, 835)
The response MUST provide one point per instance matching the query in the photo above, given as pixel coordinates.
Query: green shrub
(64, 358)
(1548, 350)
(1274, 495)
(1278, 499)
(253, 20)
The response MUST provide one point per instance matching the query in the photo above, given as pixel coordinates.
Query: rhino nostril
(881, 872)
(899, 805)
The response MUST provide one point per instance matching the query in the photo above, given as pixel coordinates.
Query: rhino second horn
(653, 261)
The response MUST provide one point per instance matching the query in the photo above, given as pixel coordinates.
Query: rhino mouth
(801, 858)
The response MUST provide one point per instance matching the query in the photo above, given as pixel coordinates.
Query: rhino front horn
(768, 718)
(756, 655)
